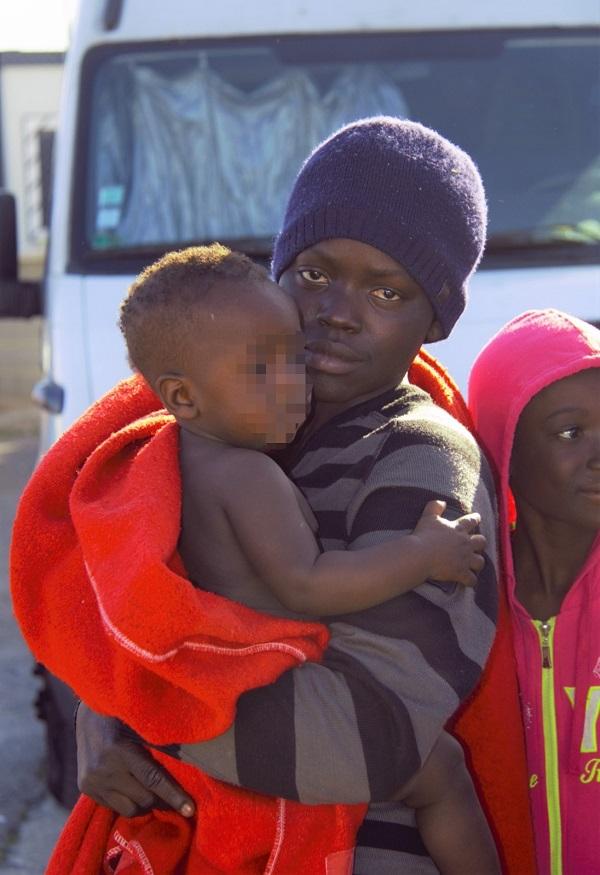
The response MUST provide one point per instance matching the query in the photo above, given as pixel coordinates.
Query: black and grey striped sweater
(356, 726)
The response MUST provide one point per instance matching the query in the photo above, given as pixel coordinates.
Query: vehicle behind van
(184, 123)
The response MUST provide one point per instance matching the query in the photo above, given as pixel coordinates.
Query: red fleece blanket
(103, 602)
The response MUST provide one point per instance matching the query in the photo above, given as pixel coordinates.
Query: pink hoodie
(560, 694)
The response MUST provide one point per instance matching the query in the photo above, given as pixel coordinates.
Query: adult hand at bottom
(119, 773)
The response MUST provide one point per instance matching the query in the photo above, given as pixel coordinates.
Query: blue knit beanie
(401, 188)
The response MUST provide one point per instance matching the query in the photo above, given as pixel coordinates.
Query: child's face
(555, 462)
(364, 318)
(253, 380)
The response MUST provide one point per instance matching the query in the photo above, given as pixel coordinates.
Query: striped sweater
(358, 725)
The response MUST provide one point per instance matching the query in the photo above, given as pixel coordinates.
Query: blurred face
(555, 463)
(364, 319)
(251, 380)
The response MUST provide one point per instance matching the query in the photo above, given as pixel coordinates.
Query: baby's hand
(454, 548)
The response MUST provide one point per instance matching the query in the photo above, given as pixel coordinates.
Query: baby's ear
(178, 395)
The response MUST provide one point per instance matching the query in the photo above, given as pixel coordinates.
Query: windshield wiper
(585, 233)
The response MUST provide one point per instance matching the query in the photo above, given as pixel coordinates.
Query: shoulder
(233, 470)
(426, 454)
(260, 481)
(248, 464)
(420, 426)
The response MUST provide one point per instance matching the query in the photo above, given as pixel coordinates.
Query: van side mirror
(17, 299)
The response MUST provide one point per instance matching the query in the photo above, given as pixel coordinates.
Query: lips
(591, 492)
(330, 357)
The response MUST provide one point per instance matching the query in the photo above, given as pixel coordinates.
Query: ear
(434, 333)
(179, 395)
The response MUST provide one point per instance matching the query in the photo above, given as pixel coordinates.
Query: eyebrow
(380, 273)
(393, 272)
(565, 410)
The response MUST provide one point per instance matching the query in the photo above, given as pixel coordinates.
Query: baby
(222, 346)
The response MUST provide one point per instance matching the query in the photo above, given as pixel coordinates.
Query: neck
(323, 411)
(190, 436)
(548, 556)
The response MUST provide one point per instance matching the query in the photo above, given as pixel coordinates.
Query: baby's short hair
(162, 301)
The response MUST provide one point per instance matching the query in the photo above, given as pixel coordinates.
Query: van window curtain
(194, 158)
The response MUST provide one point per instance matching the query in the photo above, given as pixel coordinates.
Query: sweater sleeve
(357, 726)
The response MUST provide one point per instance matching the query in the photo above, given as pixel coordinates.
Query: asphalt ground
(30, 819)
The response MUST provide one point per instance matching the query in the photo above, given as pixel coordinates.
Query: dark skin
(357, 297)
(241, 389)
(239, 378)
(243, 520)
(364, 320)
(555, 478)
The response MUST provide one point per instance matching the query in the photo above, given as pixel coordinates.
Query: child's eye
(569, 434)
(386, 294)
(260, 368)
(312, 275)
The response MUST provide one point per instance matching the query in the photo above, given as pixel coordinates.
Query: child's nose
(594, 452)
(338, 308)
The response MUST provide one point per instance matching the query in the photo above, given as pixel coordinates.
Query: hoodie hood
(529, 353)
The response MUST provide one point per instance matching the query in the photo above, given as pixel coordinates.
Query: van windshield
(201, 141)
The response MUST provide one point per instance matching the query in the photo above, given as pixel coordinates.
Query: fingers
(477, 563)
(124, 805)
(468, 578)
(160, 784)
(434, 508)
(119, 773)
(129, 800)
(478, 543)
(470, 522)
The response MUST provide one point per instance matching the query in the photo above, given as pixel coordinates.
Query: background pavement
(30, 819)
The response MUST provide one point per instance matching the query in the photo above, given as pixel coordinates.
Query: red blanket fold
(238, 833)
(103, 602)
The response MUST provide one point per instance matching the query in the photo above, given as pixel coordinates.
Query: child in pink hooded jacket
(534, 393)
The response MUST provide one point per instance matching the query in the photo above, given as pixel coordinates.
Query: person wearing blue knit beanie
(402, 188)
(383, 228)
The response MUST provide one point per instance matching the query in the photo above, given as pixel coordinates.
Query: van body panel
(65, 352)
(499, 295)
(103, 296)
(142, 20)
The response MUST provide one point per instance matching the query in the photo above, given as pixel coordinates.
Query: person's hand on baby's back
(454, 547)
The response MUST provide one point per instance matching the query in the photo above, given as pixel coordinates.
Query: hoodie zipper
(545, 631)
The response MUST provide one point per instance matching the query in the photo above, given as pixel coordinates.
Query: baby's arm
(273, 535)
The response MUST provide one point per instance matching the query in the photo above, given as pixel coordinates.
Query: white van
(184, 122)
